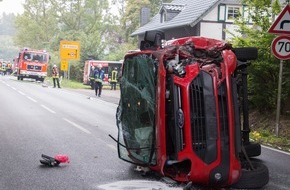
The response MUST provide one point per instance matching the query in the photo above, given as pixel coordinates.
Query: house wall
(231, 28)
(212, 15)
(211, 30)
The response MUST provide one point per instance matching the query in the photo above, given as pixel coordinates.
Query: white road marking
(13, 88)
(137, 184)
(77, 126)
(48, 109)
(20, 92)
(33, 100)
(277, 150)
(7, 85)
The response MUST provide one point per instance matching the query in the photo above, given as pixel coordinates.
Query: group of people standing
(98, 75)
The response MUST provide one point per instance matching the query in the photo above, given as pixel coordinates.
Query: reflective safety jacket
(99, 75)
(55, 73)
(114, 76)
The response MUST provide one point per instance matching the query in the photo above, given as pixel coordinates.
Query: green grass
(266, 137)
(73, 84)
(65, 83)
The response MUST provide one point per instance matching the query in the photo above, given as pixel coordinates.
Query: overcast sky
(11, 6)
(15, 6)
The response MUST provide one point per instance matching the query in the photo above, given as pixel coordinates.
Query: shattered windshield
(136, 110)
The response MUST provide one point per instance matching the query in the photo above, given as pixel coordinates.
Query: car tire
(252, 149)
(252, 179)
(246, 53)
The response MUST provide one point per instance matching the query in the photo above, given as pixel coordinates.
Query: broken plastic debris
(50, 161)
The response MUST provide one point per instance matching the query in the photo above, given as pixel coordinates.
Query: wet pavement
(107, 95)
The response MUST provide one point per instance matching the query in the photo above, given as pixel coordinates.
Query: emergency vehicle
(32, 64)
(107, 66)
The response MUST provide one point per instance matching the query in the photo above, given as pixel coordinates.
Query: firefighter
(55, 76)
(91, 77)
(99, 76)
(114, 77)
(9, 68)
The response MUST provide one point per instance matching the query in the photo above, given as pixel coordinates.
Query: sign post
(279, 99)
(69, 50)
(64, 65)
(281, 49)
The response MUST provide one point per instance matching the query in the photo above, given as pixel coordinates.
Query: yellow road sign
(69, 50)
(64, 65)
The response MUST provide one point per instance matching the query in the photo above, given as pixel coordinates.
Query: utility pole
(279, 99)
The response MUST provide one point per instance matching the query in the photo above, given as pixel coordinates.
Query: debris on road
(50, 161)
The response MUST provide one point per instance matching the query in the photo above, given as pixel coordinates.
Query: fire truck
(107, 66)
(32, 64)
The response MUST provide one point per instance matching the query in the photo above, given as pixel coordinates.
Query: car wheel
(252, 149)
(251, 179)
(246, 53)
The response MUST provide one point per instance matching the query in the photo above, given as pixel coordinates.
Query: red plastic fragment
(62, 158)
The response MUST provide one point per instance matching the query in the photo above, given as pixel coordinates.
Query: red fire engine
(32, 64)
(106, 65)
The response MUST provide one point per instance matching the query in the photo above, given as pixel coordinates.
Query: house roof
(192, 12)
(172, 7)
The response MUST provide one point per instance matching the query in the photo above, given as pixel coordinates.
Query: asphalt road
(37, 119)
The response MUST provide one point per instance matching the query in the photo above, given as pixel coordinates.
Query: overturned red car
(179, 112)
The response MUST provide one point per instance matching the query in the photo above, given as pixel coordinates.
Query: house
(208, 18)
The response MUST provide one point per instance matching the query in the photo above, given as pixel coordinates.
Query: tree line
(103, 34)
(264, 72)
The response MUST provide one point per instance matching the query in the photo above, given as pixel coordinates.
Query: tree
(36, 27)
(263, 73)
(46, 22)
(102, 34)
(6, 24)
(7, 30)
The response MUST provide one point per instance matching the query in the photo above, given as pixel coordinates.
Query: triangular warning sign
(282, 24)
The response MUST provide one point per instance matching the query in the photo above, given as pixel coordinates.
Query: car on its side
(180, 112)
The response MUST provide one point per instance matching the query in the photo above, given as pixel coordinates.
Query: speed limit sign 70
(281, 47)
